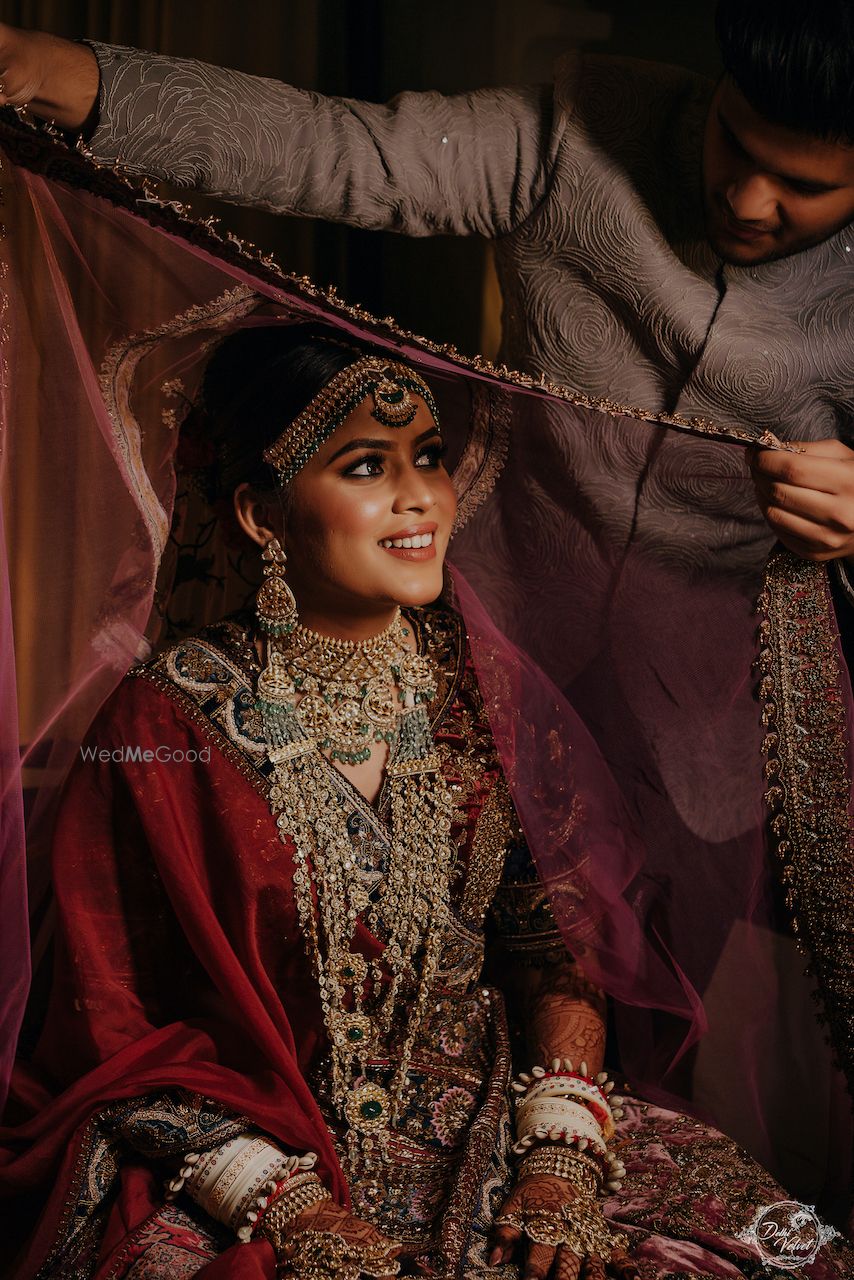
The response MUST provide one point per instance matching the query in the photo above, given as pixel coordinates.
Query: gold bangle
(287, 1207)
(326, 1255)
(563, 1162)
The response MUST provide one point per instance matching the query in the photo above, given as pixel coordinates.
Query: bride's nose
(414, 492)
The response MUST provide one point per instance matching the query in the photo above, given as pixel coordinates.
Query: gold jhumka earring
(276, 609)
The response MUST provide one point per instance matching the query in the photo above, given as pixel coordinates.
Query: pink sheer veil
(608, 570)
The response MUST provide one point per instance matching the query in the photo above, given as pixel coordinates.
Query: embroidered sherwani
(185, 1009)
(590, 190)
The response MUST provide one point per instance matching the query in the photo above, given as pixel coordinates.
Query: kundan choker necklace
(344, 690)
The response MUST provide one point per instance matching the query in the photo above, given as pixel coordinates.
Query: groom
(661, 241)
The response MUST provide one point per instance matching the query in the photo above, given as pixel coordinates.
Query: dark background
(372, 49)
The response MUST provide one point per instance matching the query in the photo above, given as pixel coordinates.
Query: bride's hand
(57, 79)
(546, 1195)
(358, 1235)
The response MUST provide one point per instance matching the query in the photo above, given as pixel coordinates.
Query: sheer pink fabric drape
(607, 570)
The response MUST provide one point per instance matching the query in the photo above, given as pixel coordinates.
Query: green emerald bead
(371, 1110)
(355, 1034)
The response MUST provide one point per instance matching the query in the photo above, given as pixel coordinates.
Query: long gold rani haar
(319, 694)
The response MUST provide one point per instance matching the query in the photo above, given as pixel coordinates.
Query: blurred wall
(440, 287)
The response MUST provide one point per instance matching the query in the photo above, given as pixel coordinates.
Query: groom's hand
(57, 79)
(808, 498)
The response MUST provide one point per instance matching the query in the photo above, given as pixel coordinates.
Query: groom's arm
(423, 164)
(475, 163)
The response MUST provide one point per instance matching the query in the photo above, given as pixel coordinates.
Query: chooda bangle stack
(236, 1182)
(571, 1109)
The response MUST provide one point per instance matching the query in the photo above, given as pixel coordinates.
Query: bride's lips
(415, 543)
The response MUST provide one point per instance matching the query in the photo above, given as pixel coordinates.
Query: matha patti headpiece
(388, 383)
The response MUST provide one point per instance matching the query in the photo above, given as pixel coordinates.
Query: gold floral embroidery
(485, 452)
(809, 783)
(116, 379)
(486, 860)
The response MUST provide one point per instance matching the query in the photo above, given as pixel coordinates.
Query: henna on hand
(326, 1215)
(541, 1193)
(566, 1015)
(548, 1195)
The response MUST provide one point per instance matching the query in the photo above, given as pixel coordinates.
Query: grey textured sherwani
(590, 190)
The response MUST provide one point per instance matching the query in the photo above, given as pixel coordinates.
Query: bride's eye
(369, 465)
(431, 455)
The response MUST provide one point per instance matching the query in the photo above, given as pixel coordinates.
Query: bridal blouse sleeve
(422, 164)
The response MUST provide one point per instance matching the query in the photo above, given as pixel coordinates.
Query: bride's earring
(275, 603)
(276, 609)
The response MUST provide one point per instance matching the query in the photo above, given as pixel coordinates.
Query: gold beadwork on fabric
(809, 782)
(488, 852)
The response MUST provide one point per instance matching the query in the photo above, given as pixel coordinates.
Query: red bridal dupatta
(666, 691)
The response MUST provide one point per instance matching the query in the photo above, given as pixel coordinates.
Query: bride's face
(370, 515)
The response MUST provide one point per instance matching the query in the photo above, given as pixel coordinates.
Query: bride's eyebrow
(385, 444)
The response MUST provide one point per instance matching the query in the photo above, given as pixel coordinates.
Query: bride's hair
(256, 382)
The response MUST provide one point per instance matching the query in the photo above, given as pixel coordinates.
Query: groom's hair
(794, 62)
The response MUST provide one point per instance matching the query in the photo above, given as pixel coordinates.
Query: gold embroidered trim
(212, 731)
(489, 847)
(37, 150)
(73, 1224)
(485, 452)
(439, 631)
(116, 379)
(809, 783)
(460, 1212)
(229, 636)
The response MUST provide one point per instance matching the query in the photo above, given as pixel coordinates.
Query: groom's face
(769, 191)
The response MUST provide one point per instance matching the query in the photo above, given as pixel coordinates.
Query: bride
(292, 937)
(300, 935)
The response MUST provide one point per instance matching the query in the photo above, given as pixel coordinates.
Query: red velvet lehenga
(610, 575)
(185, 1011)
